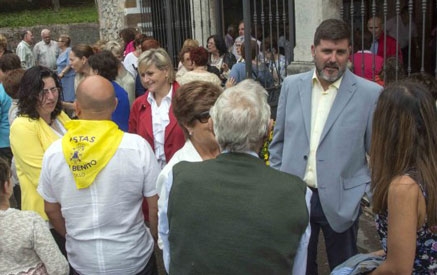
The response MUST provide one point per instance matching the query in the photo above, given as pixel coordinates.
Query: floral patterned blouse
(426, 243)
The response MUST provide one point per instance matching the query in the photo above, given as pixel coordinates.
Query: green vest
(234, 215)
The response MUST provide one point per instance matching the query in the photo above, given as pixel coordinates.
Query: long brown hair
(404, 137)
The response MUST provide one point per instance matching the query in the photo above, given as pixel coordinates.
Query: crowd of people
(112, 152)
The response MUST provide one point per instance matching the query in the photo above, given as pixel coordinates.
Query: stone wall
(87, 33)
(111, 17)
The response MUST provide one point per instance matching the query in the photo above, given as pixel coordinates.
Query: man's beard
(330, 78)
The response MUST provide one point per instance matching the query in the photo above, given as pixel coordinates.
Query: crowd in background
(203, 110)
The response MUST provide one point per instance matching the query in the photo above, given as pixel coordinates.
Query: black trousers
(339, 246)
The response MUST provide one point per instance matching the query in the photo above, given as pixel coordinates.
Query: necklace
(214, 60)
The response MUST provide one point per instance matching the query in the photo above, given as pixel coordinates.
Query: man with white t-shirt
(93, 181)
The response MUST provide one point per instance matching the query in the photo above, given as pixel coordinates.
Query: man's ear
(77, 109)
(211, 125)
(115, 105)
(7, 188)
(270, 127)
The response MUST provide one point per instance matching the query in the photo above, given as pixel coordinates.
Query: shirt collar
(336, 84)
(168, 97)
(253, 153)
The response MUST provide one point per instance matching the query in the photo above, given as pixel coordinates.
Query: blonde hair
(3, 42)
(158, 57)
(66, 39)
(190, 43)
(114, 47)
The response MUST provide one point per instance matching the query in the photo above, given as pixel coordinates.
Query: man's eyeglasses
(202, 117)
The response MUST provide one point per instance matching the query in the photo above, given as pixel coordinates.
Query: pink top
(129, 48)
(357, 59)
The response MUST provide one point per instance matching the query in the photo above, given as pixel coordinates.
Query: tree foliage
(81, 14)
(7, 6)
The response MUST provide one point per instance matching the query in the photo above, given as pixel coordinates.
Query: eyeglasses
(202, 117)
(51, 90)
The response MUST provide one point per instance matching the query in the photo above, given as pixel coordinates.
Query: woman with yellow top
(40, 122)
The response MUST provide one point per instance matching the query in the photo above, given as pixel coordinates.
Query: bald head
(375, 26)
(95, 99)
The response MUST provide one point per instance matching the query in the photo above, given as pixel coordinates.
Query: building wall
(87, 33)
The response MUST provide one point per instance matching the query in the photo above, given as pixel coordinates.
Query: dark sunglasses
(202, 117)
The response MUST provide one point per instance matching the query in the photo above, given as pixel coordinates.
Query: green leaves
(77, 14)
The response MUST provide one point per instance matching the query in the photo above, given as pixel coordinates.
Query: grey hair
(241, 117)
(114, 47)
(45, 31)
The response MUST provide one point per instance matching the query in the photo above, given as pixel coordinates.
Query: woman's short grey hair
(241, 116)
(158, 57)
(114, 47)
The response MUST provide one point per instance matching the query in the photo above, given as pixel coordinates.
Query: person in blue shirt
(8, 62)
(105, 64)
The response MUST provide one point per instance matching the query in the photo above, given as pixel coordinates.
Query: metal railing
(419, 53)
(272, 23)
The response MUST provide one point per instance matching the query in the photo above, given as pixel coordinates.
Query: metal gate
(171, 22)
(418, 51)
(167, 21)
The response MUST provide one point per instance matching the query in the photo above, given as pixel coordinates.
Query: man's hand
(53, 211)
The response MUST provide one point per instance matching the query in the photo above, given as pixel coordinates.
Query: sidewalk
(368, 240)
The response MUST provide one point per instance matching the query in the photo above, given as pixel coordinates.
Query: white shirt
(46, 54)
(25, 54)
(130, 62)
(13, 110)
(105, 226)
(160, 120)
(163, 186)
(321, 103)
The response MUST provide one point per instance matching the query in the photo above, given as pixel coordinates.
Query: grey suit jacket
(342, 170)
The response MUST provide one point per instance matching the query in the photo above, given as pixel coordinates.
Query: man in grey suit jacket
(322, 134)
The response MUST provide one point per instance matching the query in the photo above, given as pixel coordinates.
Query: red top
(390, 47)
(140, 122)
